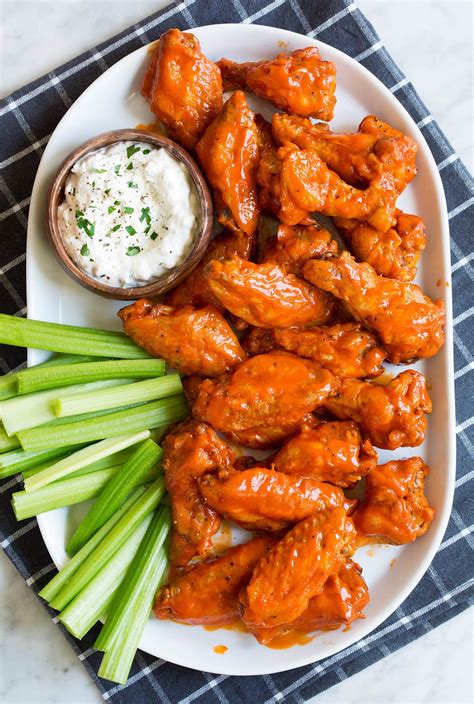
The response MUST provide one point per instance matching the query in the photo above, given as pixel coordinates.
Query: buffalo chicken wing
(292, 247)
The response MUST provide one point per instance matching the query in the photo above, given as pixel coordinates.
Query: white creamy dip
(131, 213)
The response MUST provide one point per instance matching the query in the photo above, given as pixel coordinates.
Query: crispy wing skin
(297, 182)
(194, 290)
(265, 400)
(332, 452)
(293, 246)
(229, 155)
(342, 601)
(296, 569)
(356, 158)
(389, 416)
(300, 82)
(264, 499)
(394, 253)
(265, 296)
(409, 324)
(183, 87)
(347, 350)
(192, 341)
(395, 509)
(191, 450)
(207, 593)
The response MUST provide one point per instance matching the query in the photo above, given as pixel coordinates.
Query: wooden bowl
(169, 279)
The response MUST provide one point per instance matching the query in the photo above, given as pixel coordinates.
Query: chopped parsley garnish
(107, 191)
(99, 171)
(85, 252)
(147, 229)
(79, 214)
(111, 209)
(93, 184)
(130, 167)
(131, 251)
(116, 227)
(132, 150)
(130, 184)
(117, 169)
(85, 224)
(128, 210)
(117, 202)
(131, 230)
(146, 151)
(145, 215)
(153, 235)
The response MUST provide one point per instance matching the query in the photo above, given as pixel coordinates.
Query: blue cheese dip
(130, 213)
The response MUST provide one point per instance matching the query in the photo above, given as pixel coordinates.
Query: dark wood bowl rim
(167, 280)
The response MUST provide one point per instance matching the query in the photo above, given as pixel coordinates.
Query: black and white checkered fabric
(27, 119)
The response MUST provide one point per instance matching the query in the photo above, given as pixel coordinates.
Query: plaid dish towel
(27, 119)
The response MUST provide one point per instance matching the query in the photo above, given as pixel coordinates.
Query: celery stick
(145, 457)
(18, 460)
(111, 461)
(69, 569)
(23, 332)
(144, 417)
(32, 410)
(139, 392)
(130, 594)
(82, 458)
(35, 379)
(111, 543)
(9, 382)
(84, 610)
(7, 443)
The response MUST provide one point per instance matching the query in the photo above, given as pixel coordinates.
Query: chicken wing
(183, 87)
(390, 416)
(332, 452)
(300, 82)
(409, 324)
(229, 155)
(296, 569)
(395, 509)
(192, 341)
(293, 246)
(264, 499)
(357, 158)
(190, 450)
(394, 253)
(265, 400)
(347, 350)
(194, 290)
(342, 601)
(207, 593)
(297, 182)
(265, 296)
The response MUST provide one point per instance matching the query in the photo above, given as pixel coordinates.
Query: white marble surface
(432, 43)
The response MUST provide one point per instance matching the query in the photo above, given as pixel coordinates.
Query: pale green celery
(82, 458)
(54, 337)
(7, 443)
(33, 410)
(143, 417)
(145, 457)
(67, 572)
(34, 379)
(85, 609)
(111, 461)
(111, 543)
(19, 460)
(138, 392)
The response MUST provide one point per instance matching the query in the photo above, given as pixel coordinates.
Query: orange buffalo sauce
(236, 625)
(220, 649)
(289, 640)
(154, 128)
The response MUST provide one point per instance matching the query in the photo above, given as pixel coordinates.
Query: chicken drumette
(409, 324)
(300, 82)
(265, 499)
(395, 509)
(190, 450)
(191, 340)
(183, 87)
(394, 253)
(347, 350)
(265, 295)
(389, 416)
(292, 247)
(265, 400)
(207, 593)
(332, 452)
(229, 155)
